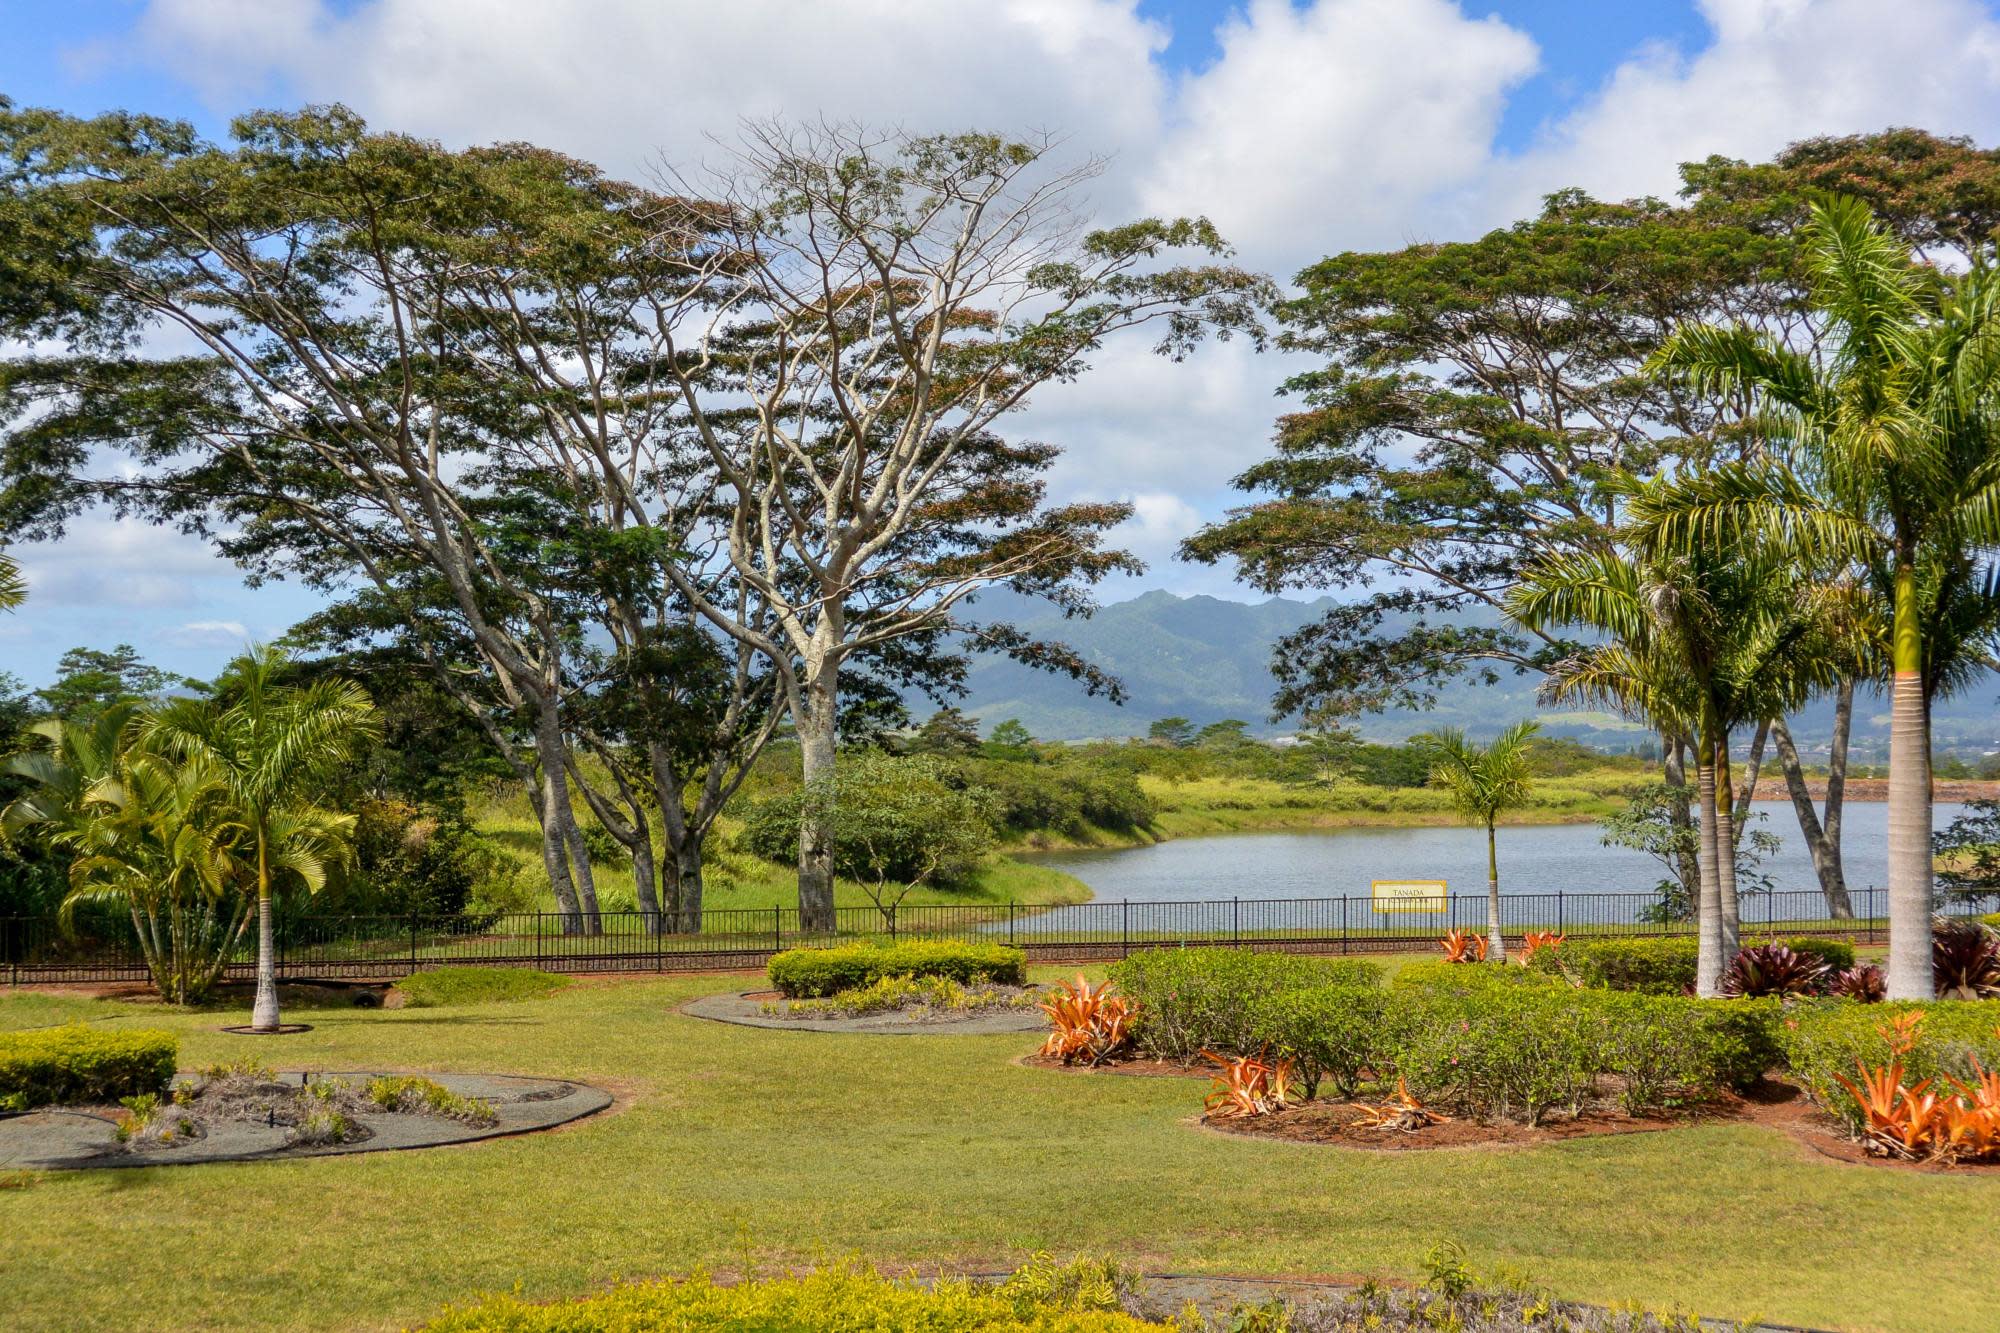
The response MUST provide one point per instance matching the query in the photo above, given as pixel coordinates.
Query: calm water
(1543, 859)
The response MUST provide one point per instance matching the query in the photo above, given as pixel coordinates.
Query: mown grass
(441, 986)
(778, 1147)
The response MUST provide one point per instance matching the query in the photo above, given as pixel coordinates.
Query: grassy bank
(739, 1148)
(1193, 807)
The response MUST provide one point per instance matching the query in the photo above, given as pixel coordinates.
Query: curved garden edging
(68, 1138)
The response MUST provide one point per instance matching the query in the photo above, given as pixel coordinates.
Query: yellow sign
(1408, 895)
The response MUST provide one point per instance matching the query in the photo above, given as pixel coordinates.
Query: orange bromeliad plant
(1402, 1111)
(1917, 1123)
(1247, 1086)
(1538, 939)
(1460, 947)
(1087, 1023)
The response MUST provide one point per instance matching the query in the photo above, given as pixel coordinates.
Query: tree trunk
(1909, 803)
(264, 1014)
(1687, 864)
(816, 723)
(1708, 907)
(1824, 850)
(579, 856)
(687, 864)
(1495, 940)
(1730, 919)
(644, 883)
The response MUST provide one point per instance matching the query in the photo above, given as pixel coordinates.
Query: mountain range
(1209, 659)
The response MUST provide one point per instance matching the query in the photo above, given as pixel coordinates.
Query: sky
(1301, 127)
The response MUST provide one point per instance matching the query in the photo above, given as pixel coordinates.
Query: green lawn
(780, 1147)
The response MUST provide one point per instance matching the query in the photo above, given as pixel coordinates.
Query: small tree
(1175, 731)
(1485, 783)
(1010, 737)
(897, 823)
(947, 731)
(271, 746)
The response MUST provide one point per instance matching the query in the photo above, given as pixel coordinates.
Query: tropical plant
(13, 588)
(1087, 1023)
(1865, 983)
(1965, 961)
(1882, 461)
(1247, 1086)
(1773, 969)
(1460, 947)
(270, 746)
(1401, 1112)
(1536, 940)
(1485, 782)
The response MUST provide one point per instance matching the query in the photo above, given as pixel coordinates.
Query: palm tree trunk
(264, 1015)
(1909, 802)
(1495, 940)
(1730, 916)
(1708, 908)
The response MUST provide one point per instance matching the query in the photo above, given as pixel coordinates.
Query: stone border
(282, 1030)
(72, 1138)
(745, 1009)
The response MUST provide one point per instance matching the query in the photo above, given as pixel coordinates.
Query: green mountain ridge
(1208, 658)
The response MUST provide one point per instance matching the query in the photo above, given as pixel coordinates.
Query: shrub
(1838, 955)
(1192, 1000)
(1657, 966)
(78, 1065)
(477, 985)
(887, 994)
(825, 1301)
(1965, 960)
(1087, 1023)
(1824, 1041)
(414, 1094)
(810, 973)
(1329, 1031)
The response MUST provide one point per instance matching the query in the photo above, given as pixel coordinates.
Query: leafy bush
(894, 819)
(1823, 1041)
(1773, 969)
(477, 985)
(829, 1300)
(810, 973)
(1838, 955)
(886, 994)
(1191, 1000)
(1328, 1032)
(1658, 966)
(414, 1094)
(81, 1066)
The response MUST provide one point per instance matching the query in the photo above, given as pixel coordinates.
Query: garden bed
(753, 1009)
(245, 1116)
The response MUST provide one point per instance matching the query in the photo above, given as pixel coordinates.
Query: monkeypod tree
(847, 351)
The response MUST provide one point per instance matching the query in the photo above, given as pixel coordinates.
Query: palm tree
(1696, 645)
(1883, 460)
(13, 588)
(155, 838)
(1485, 783)
(271, 745)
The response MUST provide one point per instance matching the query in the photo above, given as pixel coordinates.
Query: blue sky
(1301, 126)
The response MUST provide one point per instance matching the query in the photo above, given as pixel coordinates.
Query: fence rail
(35, 950)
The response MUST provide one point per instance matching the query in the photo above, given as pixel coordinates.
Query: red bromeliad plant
(1865, 983)
(1088, 1024)
(1773, 969)
(1965, 961)
(1400, 1112)
(1247, 1086)
(1460, 947)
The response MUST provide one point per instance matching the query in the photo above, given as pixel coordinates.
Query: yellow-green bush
(79, 1065)
(841, 1299)
(810, 973)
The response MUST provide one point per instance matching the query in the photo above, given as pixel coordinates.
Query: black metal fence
(36, 950)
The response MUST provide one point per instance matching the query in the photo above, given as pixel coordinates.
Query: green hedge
(812, 973)
(1663, 965)
(1191, 1000)
(83, 1066)
(835, 1300)
(1822, 1038)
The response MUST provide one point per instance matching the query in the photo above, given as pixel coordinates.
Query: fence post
(413, 944)
(1559, 913)
(1125, 946)
(1343, 923)
(1236, 920)
(1010, 922)
(777, 931)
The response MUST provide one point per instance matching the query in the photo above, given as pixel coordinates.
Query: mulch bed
(1773, 1104)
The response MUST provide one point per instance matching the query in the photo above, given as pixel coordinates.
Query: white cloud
(1777, 71)
(1338, 121)
(229, 634)
(106, 561)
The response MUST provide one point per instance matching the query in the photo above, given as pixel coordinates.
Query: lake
(1544, 859)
